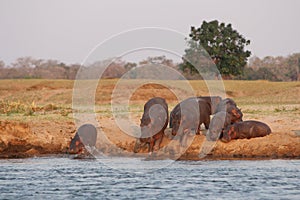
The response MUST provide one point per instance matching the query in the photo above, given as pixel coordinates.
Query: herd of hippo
(186, 118)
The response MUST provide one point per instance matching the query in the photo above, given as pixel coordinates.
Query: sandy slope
(19, 139)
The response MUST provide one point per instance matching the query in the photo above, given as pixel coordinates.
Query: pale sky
(67, 30)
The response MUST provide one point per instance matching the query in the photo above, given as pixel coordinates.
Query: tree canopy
(224, 45)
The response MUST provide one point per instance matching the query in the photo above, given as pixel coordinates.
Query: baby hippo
(246, 129)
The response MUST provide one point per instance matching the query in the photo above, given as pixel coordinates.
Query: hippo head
(228, 134)
(237, 115)
(145, 125)
(76, 145)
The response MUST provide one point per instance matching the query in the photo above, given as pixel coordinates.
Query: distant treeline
(273, 68)
(269, 68)
(30, 68)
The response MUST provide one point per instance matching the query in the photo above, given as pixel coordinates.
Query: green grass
(9, 108)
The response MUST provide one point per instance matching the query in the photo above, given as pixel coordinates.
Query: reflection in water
(61, 178)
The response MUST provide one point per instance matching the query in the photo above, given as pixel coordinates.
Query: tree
(25, 62)
(224, 45)
(129, 65)
(162, 60)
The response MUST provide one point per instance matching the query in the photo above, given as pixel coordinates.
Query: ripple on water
(63, 178)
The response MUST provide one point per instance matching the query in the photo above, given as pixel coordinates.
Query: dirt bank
(19, 140)
(36, 117)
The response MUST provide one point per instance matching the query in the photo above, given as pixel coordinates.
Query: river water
(132, 178)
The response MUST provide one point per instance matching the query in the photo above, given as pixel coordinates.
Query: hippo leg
(157, 142)
(181, 140)
(184, 137)
(184, 140)
(198, 131)
(151, 145)
(137, 146)
(206, 124)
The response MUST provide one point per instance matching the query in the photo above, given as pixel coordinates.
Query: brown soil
(35, 137)
(282, 143)
(18, 140)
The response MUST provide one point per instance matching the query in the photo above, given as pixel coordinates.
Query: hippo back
(156, 115)
(185, 115)
(86, 135)
(250, 129)
(213, 101)
(225, 104)
(246, 129)
(177, 109)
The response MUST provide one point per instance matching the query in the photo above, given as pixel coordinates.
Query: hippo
(213, 102)
(222, 106)
(185, 119)
(246, 129)
(85, 136)
(153, 124)
(191, 114)
(230, 106)
(207, 106)
(173, 113)
(219, 121)
(176, 110)
(235, 113)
